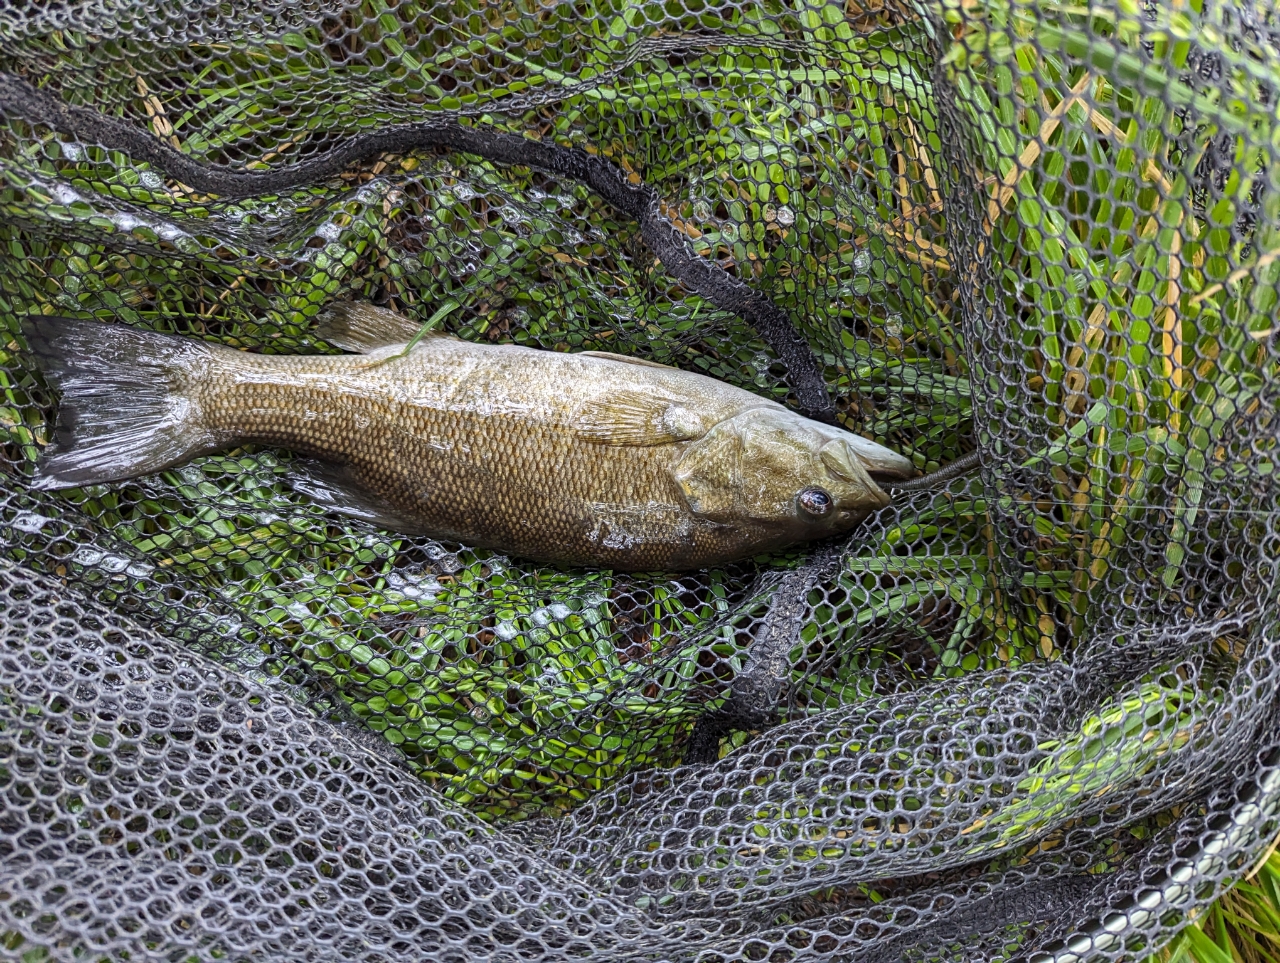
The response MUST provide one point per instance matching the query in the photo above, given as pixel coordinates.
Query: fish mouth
(880, 463)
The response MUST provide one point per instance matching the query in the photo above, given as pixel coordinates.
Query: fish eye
(814, 501)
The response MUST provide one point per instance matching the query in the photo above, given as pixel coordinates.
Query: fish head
(795, 477)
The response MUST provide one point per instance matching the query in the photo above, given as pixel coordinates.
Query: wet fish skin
(580, 459)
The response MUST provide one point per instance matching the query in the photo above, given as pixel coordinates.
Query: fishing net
(1029, 713)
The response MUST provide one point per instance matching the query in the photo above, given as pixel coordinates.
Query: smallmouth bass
(578, 459)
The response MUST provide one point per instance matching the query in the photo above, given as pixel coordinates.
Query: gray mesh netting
(1028, 713)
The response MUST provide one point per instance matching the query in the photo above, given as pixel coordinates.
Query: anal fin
(335, 488)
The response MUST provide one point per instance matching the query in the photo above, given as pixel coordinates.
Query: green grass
(520, 691)
(512, 725)
(1243, 926)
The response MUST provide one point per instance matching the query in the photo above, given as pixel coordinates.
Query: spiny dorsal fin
(638, 420)
(622, 357)
(362, 327)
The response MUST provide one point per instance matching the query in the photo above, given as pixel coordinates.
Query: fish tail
(126, 407)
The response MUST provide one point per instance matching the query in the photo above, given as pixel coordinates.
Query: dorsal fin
(362, 327)
(622, 357)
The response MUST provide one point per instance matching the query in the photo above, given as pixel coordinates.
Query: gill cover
(755, 465)
(708, 472)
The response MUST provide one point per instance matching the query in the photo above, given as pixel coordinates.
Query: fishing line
(961, 466)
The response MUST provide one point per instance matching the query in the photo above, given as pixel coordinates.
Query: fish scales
(450, 437)
(582, 459)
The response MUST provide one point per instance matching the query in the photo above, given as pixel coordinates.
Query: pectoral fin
(335, 488)
(360, 327)
(638, 421)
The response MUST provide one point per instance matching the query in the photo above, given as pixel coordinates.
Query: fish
(578, 459)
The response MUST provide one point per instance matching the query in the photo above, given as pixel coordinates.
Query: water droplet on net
(30, 522)
(115, 564)
(422, 587)
(87, 557)
(374, 193)
(64, 194)
(227, 625)
(125, 221)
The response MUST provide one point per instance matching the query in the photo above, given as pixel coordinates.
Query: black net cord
(628, 196)
(760, 689)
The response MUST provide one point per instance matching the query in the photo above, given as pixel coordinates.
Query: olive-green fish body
(572, 458)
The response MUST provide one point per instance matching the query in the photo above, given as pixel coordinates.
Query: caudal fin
(125, 408)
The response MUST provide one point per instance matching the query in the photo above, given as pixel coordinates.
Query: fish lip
(885, 498)
(879, 462)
